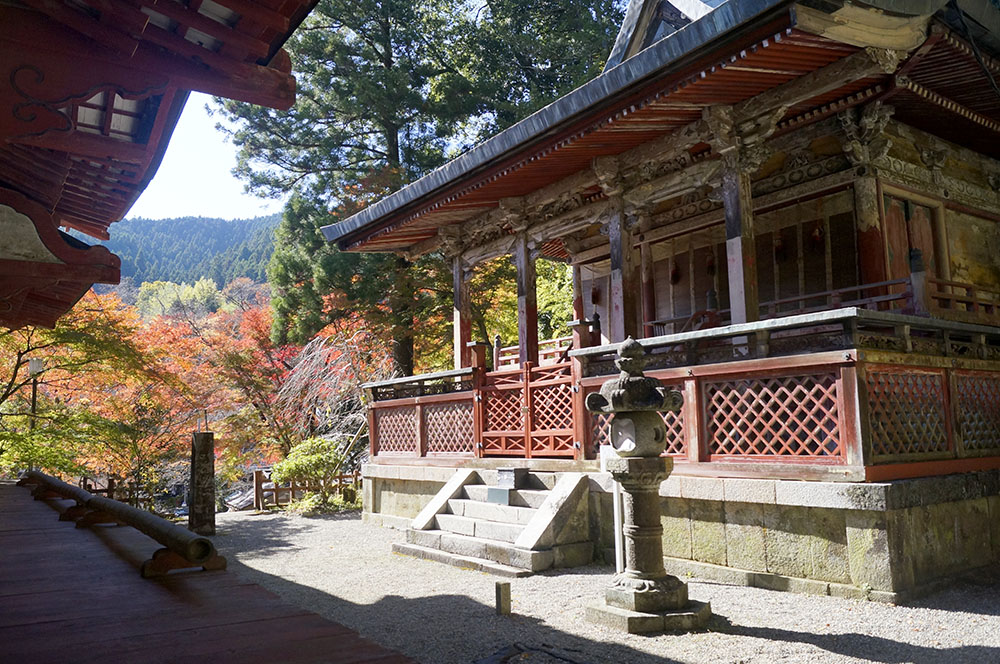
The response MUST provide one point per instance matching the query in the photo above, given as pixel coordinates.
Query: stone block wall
(882, 541)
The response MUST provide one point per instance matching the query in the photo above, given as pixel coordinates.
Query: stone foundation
(881, 541)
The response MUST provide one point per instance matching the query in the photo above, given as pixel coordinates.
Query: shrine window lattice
(448, 428)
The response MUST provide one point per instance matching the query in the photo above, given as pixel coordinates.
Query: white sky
(194, 179)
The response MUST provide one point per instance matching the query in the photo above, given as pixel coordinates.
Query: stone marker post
(201, 506)
(643, 598)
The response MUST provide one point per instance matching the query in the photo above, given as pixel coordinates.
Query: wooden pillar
(648, 289)
(461, 314)
(201, 508)
(871, 245)
(527, 302)
(624, 292)
(741, 250)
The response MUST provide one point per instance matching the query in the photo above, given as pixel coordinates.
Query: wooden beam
(648, 287)
(89, 145)
(258, 14)
(527, 301)
(859, 65)
(189, 18)
(86, 25)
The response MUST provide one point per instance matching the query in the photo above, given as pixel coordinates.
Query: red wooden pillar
(461, 314)
(871, 244)
(741, 251)
(527, 302)
(648, 289)
(623, 298)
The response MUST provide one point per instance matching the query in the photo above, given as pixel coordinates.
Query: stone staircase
(540, 524)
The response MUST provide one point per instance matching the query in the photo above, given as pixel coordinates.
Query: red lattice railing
(977, 396)
(448, 428)
(908, 411)
(529, 412)
(396, 430)
(774, 416)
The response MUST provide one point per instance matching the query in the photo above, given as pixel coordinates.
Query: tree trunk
(401, 305)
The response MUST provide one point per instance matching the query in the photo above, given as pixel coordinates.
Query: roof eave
(670, 50)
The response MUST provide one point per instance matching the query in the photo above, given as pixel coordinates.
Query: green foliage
(158, 298)
(387, 91)
(316, 460)
(313, 504)
(187, 249)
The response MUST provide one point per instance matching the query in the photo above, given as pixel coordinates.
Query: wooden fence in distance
(263, 488)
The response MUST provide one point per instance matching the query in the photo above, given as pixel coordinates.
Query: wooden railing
(286, 492)
(182, 548)
(550, 351)
(961, 301)
(849, 394)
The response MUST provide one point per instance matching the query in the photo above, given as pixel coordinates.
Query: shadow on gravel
(272, 534)
(975, 595)
(871, 648)
(396, 621)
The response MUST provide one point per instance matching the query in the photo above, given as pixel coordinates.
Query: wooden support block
(94, 518)
(503, 598)
(73, 513)
(42, 493)
(165, 560)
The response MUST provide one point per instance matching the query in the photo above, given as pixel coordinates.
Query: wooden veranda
(75, 595)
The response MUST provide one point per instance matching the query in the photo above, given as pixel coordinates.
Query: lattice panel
(396, 429)
(503, 410)
(978, 397)
(907, 412)
(788, 416)
(503, 443)
(448, 428)
(552, 407)
(600, 430)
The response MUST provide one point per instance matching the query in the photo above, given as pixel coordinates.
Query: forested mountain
(186, 249)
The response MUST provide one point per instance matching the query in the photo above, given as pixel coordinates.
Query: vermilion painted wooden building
(90, 92)
(794, 205)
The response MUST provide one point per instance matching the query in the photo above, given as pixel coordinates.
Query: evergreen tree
(387, 90)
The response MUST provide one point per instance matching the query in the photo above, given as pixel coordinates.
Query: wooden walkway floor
(71, 595)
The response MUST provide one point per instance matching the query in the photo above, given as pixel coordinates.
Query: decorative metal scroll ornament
(636, 401)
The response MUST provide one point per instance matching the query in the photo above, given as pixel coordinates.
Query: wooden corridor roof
(71, 595)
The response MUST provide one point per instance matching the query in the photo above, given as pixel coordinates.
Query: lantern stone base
(694, 616)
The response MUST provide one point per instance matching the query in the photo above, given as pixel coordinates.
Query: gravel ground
(345, 570)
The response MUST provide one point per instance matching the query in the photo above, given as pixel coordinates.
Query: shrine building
(794, 207)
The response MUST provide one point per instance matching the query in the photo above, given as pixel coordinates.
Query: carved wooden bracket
(864, 129)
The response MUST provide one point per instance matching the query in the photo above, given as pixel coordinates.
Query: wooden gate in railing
(528, 412)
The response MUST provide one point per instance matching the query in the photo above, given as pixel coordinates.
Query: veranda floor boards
(71, 595)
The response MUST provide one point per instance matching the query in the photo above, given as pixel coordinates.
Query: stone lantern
(643, 598)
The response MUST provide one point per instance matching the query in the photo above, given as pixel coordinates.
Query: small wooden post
(497, 348)
(258, 489)
(201, 510)
(503, 598)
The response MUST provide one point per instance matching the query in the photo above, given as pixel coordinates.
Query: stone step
(479, 528)
(504, 553)
(541, 481)
(491, 511)
(465, 562)
(518, 498)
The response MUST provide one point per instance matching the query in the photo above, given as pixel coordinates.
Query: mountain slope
(186, 249)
